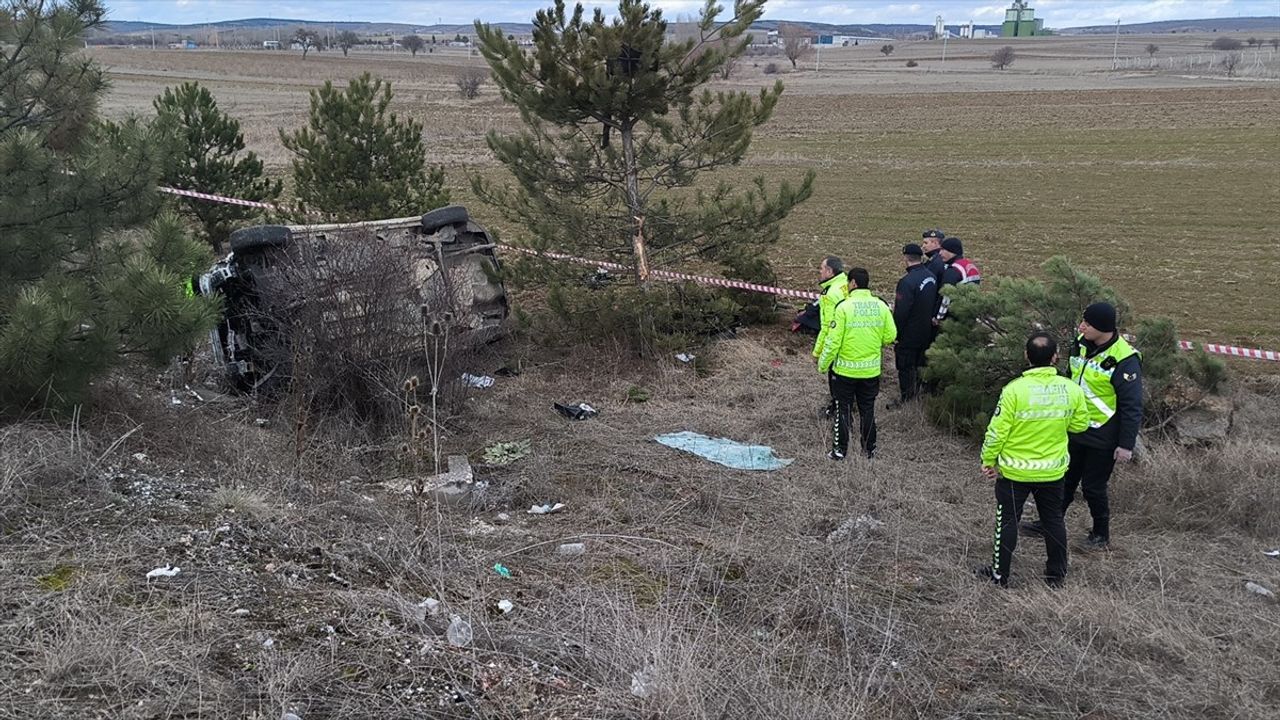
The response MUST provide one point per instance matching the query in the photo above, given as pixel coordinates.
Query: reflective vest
(1026, 439)
(834, 290)
(862, 326)
(969, 273)
(1093, 375)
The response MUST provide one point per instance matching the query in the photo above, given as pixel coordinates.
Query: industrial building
(1020, 21)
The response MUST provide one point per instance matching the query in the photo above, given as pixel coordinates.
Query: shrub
(1003, 57)
(1226, 43)
(912, 63)
(771, 69)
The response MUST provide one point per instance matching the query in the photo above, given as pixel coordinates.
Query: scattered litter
(1271, 553)
(546, 509)
(289, 716)
(858, 526)
(477, 381)
(506, 606)
(571, 549)
(221, 529)
(262, 422)
(686, 357)
(479, 528)
(724, 451)
(140, 457)
(167, 571)
(1255, 588)
(459, 632)
(240, 612)
(503, 517)
(505, 453)
(580, 411)
(338, 579)
(269, 643)
(776, 362)
(173, 400)
(431, 605)
(502, 570)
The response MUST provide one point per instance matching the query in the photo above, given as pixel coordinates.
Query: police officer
(861, 328)
(931, 243)
(1109, 371)
(1025, 453)
(835, 288)
(960, 270)
(915, 303)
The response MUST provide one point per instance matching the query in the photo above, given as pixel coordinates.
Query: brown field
(820, 591)
(1153, 178)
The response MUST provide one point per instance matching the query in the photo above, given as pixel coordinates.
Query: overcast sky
(1056, 13)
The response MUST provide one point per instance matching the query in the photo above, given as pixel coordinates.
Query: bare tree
(731, 64)
(413, 44)
(1275, 43)
(1230, 62)
(1253, 42)
(1002, 58)
(346, 41)
(886, 50)
(795, 42)
(1152, 49)
(306, 38)
(469, 82)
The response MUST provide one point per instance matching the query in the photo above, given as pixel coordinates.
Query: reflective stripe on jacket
(862, 326)
(834, 290)
(1026, 439)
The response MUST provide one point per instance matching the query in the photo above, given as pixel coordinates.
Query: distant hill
(1270, 24)
(134, 27)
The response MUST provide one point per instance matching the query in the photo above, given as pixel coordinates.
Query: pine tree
(981, 344)
(618, 128)
(205, 157)
(356, 160)
(76, 293)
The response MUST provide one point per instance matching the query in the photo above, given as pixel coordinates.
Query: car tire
(448, 215)
(262, 237)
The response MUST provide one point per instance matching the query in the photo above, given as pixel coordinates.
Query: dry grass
(720, 590)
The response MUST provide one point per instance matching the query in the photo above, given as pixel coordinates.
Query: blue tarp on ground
(724, 451)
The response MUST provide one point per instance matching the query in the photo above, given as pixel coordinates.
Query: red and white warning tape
(1215, 348)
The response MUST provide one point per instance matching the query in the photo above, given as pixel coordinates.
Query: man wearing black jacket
(915, 301)
(931, 243)
(1109, 371)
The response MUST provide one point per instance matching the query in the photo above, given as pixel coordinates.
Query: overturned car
(363, 294)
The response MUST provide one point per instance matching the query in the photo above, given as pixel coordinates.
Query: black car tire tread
(447, 215)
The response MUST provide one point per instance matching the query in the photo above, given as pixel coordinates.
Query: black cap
(952, 244)
(1102, 316)
(912, 249)
(935, 233)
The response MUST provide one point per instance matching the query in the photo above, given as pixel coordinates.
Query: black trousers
(1011, 495)
(1090, 470)
(908, 362)
(850, 392)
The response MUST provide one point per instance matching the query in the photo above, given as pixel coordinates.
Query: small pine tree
(356, 160)
(76, 294)
(619, 126)
(981, 345)
(205, 157)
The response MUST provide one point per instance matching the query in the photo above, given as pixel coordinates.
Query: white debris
(686, 357)
(571, 549)
(221, 529)
(503, 517)
(140, 457)
(859, 526)
(167, 571)
(459, 632)
(289, 716)
(1255, 588)
(269, 643)
(240, 612)
(644, 682)
(1271, 553)
(261, 422)
(477, 381)
(506, 606)
(337, 578)
(546, 509)
(431, 605)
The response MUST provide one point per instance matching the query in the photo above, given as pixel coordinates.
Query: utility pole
(1116, 47)
(818, 64)
(944, 48)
